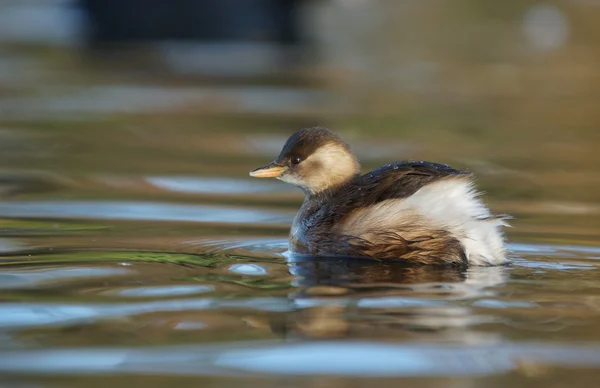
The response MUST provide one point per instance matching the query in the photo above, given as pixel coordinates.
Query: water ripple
(204, 185)
(325, 358)
(152, 211)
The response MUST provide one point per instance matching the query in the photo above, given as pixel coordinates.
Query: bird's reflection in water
(341, 298)
(364, 273)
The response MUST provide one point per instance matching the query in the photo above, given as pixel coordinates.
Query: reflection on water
(215, 185)
(113, 276)
(395, 320)
(352, 358)
(177, 277)
(138, 211)
(134, 247)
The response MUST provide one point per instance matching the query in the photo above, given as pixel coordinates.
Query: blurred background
(127, 130)
(509, 90)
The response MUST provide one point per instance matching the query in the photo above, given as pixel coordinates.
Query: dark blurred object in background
(200, 20)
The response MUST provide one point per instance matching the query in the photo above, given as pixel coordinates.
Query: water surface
(191, 290)
(135, 249)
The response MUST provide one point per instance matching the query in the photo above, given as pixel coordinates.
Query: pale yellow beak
(271, 170)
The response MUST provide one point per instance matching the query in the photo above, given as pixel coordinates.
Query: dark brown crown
(306, 141)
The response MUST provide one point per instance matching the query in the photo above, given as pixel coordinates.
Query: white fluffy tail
(453, 204)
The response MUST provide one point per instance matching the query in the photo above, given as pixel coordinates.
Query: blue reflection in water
(248, 269)
(217, 185)
(317, 358)
(28, 277)
(154, 211)
(358, 359)
(158, 291)
(40, 314)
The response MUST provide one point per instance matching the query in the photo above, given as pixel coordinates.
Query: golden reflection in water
(335, 296)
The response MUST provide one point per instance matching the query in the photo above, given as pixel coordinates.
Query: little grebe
(421, 212)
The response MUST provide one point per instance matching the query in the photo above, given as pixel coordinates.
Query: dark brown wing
(394, 180)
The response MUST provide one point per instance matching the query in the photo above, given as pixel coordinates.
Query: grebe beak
(271, 170)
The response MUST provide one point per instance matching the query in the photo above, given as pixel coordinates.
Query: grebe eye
(296, 159)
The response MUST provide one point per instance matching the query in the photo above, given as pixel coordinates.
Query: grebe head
(314, 159)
